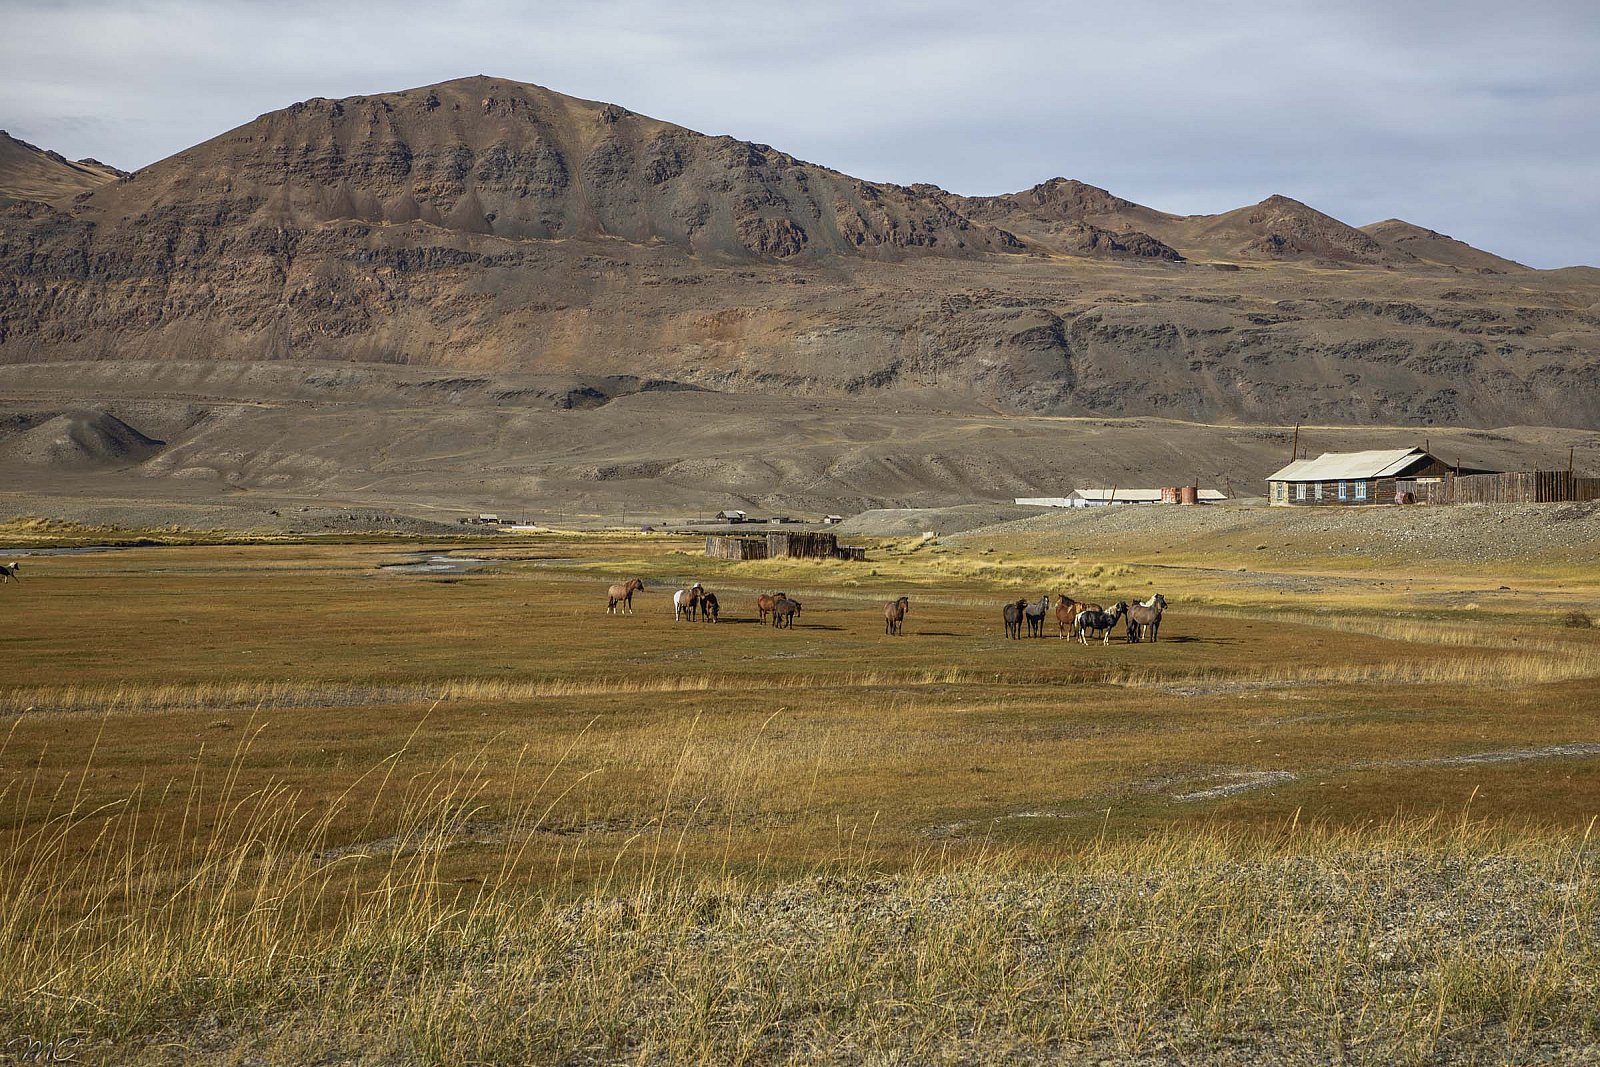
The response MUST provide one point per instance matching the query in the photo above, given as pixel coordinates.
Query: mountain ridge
(489, 225)
(28, 172)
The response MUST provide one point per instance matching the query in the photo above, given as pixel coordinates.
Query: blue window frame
(1361, 490)
(1344, 493)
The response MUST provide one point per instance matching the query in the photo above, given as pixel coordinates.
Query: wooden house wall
(1379, 490)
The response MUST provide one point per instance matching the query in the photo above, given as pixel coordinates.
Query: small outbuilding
(1342, 479)
(784, 545)
(1095, 498)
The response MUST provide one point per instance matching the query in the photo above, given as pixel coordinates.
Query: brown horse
(1144, 620)
(765, 601)
(708, 607)
(1011, 614)
(1067, 610)
(894, 616)
(783, 613)
(622, 597)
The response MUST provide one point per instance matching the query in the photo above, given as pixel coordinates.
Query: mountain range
(486, 229)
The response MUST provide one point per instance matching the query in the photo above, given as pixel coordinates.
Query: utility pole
(1294, 449)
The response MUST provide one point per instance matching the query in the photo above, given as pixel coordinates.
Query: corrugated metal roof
(1131, 495)
(1137, 495)
(1333, 466)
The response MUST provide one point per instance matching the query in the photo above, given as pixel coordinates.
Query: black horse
(1099, 623)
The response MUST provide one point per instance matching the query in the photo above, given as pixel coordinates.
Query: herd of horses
(1082, 620)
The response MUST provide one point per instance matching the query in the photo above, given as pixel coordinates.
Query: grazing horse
(708, 608)
(1099, 623)
(765, 601)
(783, 612)
(8, 572)
(1034, 613)
(894, 615)
(685, 602)
(622, 597)
(1145, 619)
(1012, 614)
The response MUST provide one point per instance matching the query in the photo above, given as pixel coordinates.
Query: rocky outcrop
(1281, 228)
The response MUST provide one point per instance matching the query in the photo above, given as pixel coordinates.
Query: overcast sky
(1479, 119)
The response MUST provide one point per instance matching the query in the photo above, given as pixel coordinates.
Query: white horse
(685, 602)
(8, 572)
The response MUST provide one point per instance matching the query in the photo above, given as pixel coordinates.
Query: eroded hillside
(491, 226)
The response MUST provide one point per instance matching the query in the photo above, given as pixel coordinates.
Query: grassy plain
(292, 802)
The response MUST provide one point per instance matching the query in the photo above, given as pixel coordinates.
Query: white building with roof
(1094, 498)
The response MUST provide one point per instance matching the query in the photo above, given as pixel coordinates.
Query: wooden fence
(802, 545)
(781, 545)
(1514, 487)
(736, 548)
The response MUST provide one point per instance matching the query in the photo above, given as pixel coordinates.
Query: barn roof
(1332, 466)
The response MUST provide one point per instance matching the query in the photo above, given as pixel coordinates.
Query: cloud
(1478, 119)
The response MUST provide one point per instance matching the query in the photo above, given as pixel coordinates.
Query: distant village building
(1094, 498)
(732, 515)
(1335, 479)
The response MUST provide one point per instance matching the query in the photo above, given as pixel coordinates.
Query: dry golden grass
(244, 929)
(1513, 669)
(124, 698)
(282, 805)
